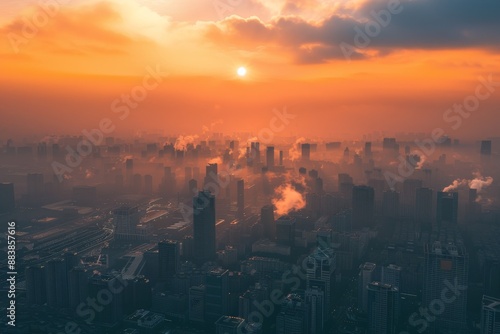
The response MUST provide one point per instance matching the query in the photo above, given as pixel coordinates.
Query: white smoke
(295, 151)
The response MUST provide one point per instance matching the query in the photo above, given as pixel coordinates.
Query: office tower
(112, 311)
(423, 209)
(204, 227)
(410, 187)
(368, 149)
(148, 184)
(77, 286)
(216, 295)
(7, 200)
(240, 192)
(391, 275)
(36, 290)
(285, 230)
(367, 274)
(383, 308)
(486, 148)
(390, 204)
(320, 270)
(490, 315)
(292, 318)
(345, 185)
(446, 266)
(315, 299)
(126, 219)
(281, 158)
(447, 208)
(362, 206)
(56, 280)
(306, 152)
(168, 259)
(270, 157)
(211, 176)
(229, 325)
(35, 188)
(197, 303)
(267, 220)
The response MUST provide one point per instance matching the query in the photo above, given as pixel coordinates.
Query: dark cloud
(420, 24)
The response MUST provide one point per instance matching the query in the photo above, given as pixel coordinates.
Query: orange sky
(63, 71)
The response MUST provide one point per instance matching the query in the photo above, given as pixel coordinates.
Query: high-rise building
(391, 275)
(367, 274)
(168, 258)
(486, 147)
(56, 279)
(7, 201)
(126, 220)
(197, 303)
(410, 187)
(383, 308)
(77, 286)
(447, 208)
(111, 312)
(306, 151)
(211, 175)
(292, 318)
(216, 295)
(285, 230)
(270, 157)
(281, 158)
(35, 188)
(423, 208)
(315, 299)
(321, 265)
(362, 206)
(229, 325)
(490, 315)
(267, 220)
(240, 194)
(446, 266)
(204, 227)
(36, 290)
(368, 149)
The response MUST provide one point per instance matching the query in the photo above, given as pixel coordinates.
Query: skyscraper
(447, 208)
(362, 206)
(36, 291)
(306, 152)
(270, 157)
(204, 227)
(368, 149)
(383, 308)
(169, 259)
(211, 176)
(410, 187)
(446, 266)
(423, 209)
(293, 316)
(111, 312)
(315, 299)
(285, 230)
(7, 201)
(126, 220)
(366, 276)
(390, 204)
(267, 220)
(490, 315)
(56, 279)
(486, 148)
(216, 295)
(240, 185)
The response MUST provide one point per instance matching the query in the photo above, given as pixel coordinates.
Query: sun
(242, 71)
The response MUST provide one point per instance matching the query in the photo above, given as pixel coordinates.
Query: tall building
(486, 147)
(410, 187)
(229, 325)
(35, 188)
(267, 220)
(368, 149)
(321, 265)
(367, 274)
(383, 308)
(445, 267)
(390, 204)
(490, 315)
(36, 290)
(391, 275)
(447, 208)
(168, 258)
(211, 175)
(204, 227)
(292, 318)
(197, 303)
(240, 194)
(216, 295)
(306, 152)
(56, 279)
(285, 230)
(126, 220)
(315, 299)
(362, 206)
(270, 157)
(111, 313)
(423, 208)
(77, 286)
(7, 201)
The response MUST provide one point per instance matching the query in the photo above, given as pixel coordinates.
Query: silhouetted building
(447, 208)
(197, 303)
(306, 152)
(126, 220)
(216, 295)
(362, 206)
(270, 157)
(240, 194)
(77, 286)
(211, 177)
(168, 258)
(368, 149)
(285, 231)
(410, 187)
(204, 227)
(36, 291)
(56, 278)
(292, 318)
(383, 308)
(315, 299)
(423, 208)
(267, 220)
(486, 147)
(7, 200)
(446, 266)
(111, 313)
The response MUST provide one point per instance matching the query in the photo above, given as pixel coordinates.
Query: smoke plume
(295, 151)
(182, 142)
(288, 199)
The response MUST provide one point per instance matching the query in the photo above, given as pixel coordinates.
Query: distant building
(216, 295)
(367, 274)
(285, 231)
(126, 218)
(7, 200)
(363, 198)
(486, 148)
(390, 204)
(292, 318)
(240, 194)
(270, 157)
(306, 152)
(197, 303)
(383, 308)
(204, 227)
(169, 259)
(447, 208)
